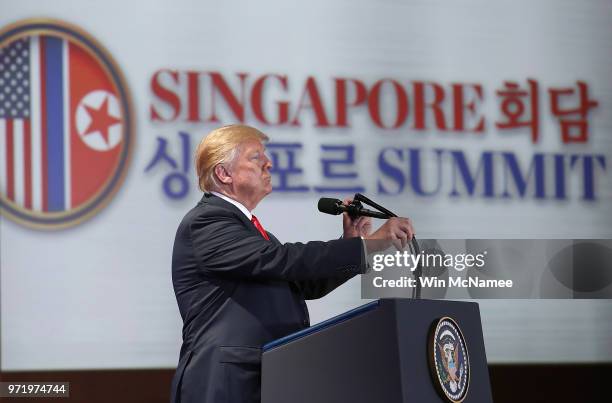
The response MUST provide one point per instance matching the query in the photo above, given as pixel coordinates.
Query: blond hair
(219, 147)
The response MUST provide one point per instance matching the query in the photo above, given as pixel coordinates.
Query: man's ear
(222, 174)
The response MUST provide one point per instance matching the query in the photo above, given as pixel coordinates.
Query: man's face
(251, 174)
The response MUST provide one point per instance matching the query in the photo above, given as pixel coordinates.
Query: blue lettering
(390, 170)
(588, 170)
(521, 181)
(415, 172)
(485, 166)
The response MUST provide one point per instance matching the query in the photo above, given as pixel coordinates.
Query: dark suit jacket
(237, 291)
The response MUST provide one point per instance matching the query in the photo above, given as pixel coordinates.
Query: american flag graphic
(15, 124)
(60, 125)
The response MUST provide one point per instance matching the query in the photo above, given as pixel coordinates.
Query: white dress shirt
(240, 206)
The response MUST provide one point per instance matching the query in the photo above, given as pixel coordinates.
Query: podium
(389, 350)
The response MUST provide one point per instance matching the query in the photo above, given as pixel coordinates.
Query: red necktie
(257, 225)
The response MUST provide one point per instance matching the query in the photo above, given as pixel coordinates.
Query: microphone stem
(414, 245)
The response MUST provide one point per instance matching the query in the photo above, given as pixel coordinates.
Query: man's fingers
(397, 229)
(361, 221)
(402, 237)
(346, 219)
(397, 243)
(405, 224)
(366, 223)
(402, 242)
(411, 227)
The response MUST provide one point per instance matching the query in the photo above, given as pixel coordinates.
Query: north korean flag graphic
(64, 127)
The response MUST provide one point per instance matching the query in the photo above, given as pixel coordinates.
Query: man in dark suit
(236, 285)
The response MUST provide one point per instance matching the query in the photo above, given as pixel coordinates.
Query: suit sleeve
(224, 246)
(315, 289)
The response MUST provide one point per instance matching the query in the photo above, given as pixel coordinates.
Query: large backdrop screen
(476, 119)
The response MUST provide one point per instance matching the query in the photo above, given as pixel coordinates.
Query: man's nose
(267, 162)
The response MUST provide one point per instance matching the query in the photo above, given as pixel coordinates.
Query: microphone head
(330, 206)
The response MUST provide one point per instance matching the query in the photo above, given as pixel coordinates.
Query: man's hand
(358, 227)
(396, 230)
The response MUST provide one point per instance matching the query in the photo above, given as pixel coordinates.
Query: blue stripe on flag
(54, 99)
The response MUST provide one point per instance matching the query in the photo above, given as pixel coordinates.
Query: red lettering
(257, 104)
(514, 101)
(185, 95)
(574, 123)
(193, 99)
(166, 95)
(235, 104)
(459, 106)
(311, 90)
(420, 105)
(401, 104)
(341, 99)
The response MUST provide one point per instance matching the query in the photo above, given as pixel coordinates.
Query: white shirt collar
(240, 206)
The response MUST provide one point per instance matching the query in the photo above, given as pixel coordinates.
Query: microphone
(335, 207)
(355, 209)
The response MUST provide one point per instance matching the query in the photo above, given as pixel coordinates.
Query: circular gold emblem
(449, 361)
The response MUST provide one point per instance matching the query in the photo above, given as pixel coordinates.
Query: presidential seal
(448, 360)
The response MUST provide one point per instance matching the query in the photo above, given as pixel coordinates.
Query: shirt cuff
(365, 255)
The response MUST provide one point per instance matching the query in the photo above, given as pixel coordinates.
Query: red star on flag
(101, 120)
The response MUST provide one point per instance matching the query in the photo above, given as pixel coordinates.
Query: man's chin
(267, 188)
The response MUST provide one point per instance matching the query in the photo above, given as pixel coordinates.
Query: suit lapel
(209, 198)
